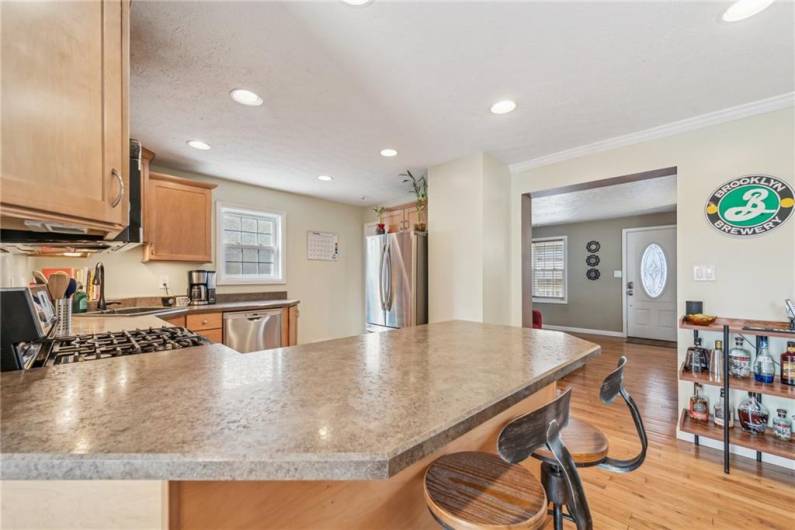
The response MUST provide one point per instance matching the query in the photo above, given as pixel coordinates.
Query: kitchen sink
(127, 311)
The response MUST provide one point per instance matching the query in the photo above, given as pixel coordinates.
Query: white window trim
(221, 277)
(565, 299)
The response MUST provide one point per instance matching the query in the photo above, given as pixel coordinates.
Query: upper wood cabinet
(403, 217)
(177, 218)
(65, 139)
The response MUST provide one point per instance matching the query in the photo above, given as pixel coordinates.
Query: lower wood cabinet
(210, 325)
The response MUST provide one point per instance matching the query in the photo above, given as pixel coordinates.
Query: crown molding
(689, 124)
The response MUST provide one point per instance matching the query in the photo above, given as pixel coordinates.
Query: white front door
(650, 282)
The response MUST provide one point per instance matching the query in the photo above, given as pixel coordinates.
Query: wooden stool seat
(586, 443)
(479, 490)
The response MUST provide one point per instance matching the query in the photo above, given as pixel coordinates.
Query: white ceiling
(608, 202)
(340, 83)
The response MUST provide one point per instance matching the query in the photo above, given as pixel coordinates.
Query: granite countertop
(361, 407)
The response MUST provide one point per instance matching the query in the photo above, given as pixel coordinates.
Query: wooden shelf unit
(776, 388)
(761, 444)
(764, 443)
(738, 325)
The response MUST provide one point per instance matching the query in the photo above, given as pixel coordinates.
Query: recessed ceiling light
(503, 107)
(198, 144)
(388, 152)
(246, 97)
(742, 9)
(357, 2)
(325, 178)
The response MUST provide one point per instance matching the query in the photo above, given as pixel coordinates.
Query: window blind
(549, 268)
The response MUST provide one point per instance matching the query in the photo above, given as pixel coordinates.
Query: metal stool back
(523, 435)
(612, 386)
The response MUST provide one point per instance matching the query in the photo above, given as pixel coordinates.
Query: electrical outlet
(163, 282)
(617, 274)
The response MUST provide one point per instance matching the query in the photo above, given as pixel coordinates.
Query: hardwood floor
(679, 486)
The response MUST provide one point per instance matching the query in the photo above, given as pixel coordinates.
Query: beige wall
(496, 241)
(594, 304)
(331, 293)
(455, 225)
(754, 275)
(468, 206)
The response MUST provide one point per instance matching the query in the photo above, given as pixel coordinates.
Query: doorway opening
(600, 257)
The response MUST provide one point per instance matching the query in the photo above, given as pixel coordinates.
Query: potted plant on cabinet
(419, 186)
(379, 228)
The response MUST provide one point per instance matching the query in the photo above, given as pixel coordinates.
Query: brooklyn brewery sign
(750, 205)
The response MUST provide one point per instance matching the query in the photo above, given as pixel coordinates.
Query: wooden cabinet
(290, 326)
(403, 217)
(208, 325)
(178, 320)
(65, 139)
(177, 219)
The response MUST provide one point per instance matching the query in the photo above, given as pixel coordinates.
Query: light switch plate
(617, 274)
(704, 273)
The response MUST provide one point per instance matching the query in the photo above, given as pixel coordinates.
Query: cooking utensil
(40, 278)
(70, 290)
(57, 284)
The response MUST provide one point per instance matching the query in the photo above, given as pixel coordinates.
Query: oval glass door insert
(653, 270)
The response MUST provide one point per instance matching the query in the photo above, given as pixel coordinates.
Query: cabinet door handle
(115, 202)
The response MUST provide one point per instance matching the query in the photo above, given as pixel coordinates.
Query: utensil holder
(63, 311)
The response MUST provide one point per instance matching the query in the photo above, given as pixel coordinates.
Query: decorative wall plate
(592, 274)
(593, 246)
(592, 260)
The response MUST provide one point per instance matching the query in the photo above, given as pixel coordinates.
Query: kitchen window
(250, 245)
(549, 270)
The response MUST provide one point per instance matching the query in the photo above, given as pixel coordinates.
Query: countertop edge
(404, 459)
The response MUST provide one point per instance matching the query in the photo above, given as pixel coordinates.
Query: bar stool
(473, 490)
(588, 446)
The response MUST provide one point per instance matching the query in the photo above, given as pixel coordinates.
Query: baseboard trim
(586, 331)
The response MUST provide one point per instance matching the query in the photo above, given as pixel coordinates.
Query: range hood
(42, 238)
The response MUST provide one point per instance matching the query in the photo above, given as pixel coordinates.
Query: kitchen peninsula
(328, 434)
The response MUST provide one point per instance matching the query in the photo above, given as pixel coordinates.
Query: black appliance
(27, 320)
(70, 238)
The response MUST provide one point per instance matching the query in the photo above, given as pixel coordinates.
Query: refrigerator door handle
(390, 293)
(381, 293)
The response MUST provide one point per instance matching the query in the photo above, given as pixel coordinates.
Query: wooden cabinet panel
(293, 333)
(65, 139)
(178, 219)
(178, 320)
(203, 321)
(394, 220)
(214, 335)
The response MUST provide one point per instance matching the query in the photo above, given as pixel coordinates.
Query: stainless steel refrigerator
(396, 280)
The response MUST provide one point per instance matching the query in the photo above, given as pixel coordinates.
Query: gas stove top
(81, 348)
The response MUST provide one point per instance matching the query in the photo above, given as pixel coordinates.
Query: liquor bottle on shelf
(697, 358)
(764, 365)
(782, 426)
(716, 362)
(739, 360)
(753, 414)
(699, 404)
(788, 365)
(717, 418)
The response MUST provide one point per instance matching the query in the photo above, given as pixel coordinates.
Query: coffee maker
(201, 287)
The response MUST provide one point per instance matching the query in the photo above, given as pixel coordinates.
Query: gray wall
(594, 304)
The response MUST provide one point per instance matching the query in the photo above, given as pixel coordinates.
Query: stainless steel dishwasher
(253, 331)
